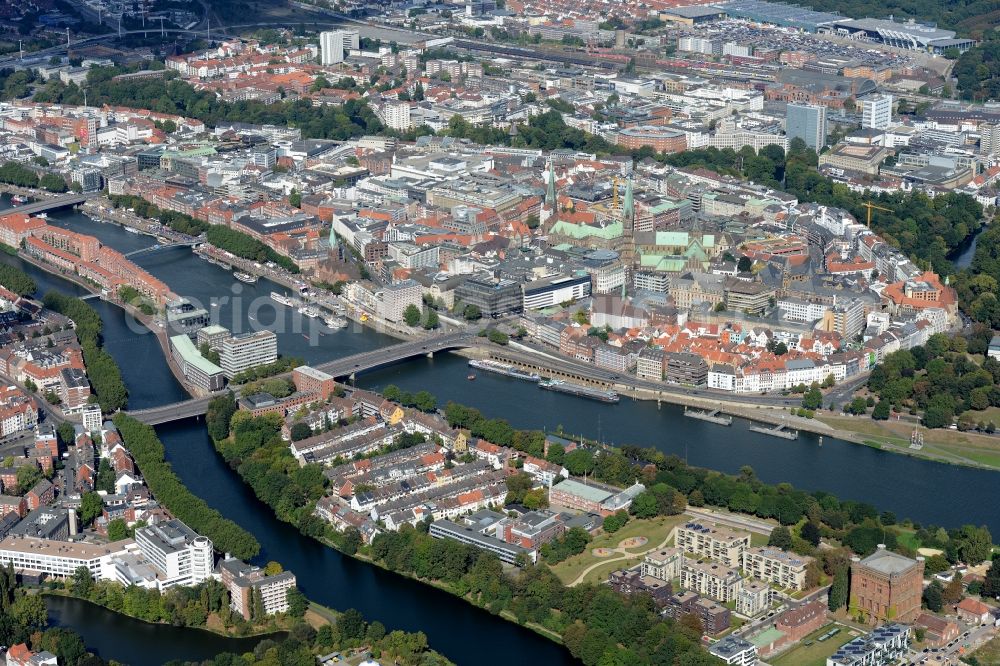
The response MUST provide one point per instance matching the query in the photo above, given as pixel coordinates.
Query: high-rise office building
(242, 352)
(876, 112)
(179, 554)
(807, 122)
(989, 138)
(335, 44)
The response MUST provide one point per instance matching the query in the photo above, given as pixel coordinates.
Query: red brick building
(311, 380)
(887, 586)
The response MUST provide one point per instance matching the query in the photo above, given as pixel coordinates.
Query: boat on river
(281, 298)
(245, 277)
(579, 390)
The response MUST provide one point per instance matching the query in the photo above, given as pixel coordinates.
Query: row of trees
(978, 286)
(282, 365)
(14, 173)
(102, 369)
(182, 606)
(148, 452)
(422, 400)
(17, 280)
(254, 448)
(246, 246)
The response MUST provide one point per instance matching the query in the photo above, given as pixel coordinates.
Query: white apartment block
(62, 558)
(717, 542)
(712, 580)
(664, 564)
(396, 114)
(179, 554)
(335, 44)
(795, 309)
(876, 112)
(754, 598)
(242, 352)
(787, 570)
(394, 298)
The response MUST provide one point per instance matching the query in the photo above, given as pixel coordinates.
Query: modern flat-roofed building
(717, 542)
(553, 291)
(685, 368)
(493, 295)
(212, 336)
(663, 564)
(734, 651)
(249, 350)
(334, 44)
(507, 552)
(393, 299)
(712, 580)
(754, 598)
(887, 586)
(246, 580)
(807, 122)
(884, 645)
(62, 558)
(776, 566)
(179, 554)
(198, 371)
(310, 380)
(650, 363)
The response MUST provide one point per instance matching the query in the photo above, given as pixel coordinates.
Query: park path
(623, 556)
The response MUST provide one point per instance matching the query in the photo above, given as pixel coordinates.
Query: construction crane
(869, 205)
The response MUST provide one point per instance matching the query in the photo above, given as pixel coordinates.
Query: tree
(91, 506)
(644, 505)
(952, 592)
(780, 537)
(839, 589)
(295, 199)
(615, 521)
(352, 624)
(933, 599)
(273, 568)
(300, 430)
(27, 477)
(117, 530)
(472, 312)
(431, 321)
(812, 399)
(991, 583)
(298, 604)
(810, 532)
(411, 315)
(744, 264)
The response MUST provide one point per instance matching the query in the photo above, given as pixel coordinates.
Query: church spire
(550, 189)
(628, 206)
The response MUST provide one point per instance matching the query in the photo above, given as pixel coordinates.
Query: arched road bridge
(341, 368)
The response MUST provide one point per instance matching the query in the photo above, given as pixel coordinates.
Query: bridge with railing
(346, 367)
(44, 205)
(164, 246)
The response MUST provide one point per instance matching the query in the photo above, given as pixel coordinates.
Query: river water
(130, 641)
(922, 490)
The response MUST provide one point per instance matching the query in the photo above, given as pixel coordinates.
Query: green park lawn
(654, 529)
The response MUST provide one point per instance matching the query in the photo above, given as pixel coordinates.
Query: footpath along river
(922, 490)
